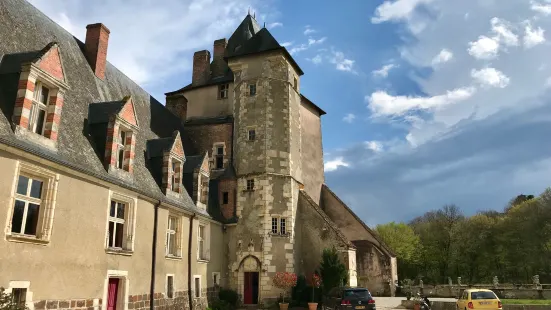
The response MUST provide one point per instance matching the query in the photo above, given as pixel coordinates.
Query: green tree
(333, 272)
(406, 245)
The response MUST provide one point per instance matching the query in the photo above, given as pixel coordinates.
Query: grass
(526, 301)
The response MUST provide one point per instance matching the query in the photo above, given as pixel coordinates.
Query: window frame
(37, 106)
(223, 91)
(249, 131)
(169, 289)
(250, 185)
(197, 293)
(46, 212)
(252, 91)
(219, 156)
(121, 146)
(215, 277)
(174, 164)
(177, 231)
(129, 230)
(225, 198)
(280, 223)
(27, 199)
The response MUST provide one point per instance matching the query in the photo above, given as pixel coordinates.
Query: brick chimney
(201, 67)
(219, 65)
(95, 48)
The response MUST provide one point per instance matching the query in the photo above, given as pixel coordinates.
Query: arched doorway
(250, 269)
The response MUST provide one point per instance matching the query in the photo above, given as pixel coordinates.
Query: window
(172, 236)
(295, 83)
(250, 185)
(223, 91)
(282, 227)
(26, 210)
(225, 198)
(39, 108)
(216, 278)
(252, 135)
(197, 286)
(252, 89)
(170, 286)
(175, 175)
(219, 157)
(279, 226)
(274, 225)
(121, 141)
(116, 224)
(18, 296)
(201, 242)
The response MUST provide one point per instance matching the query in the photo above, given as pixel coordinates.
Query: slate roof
(25, 31)
(245, 31)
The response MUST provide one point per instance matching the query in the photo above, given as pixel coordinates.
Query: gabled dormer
(166, 159)
(114, 125)
(39, 101)
(197, 179)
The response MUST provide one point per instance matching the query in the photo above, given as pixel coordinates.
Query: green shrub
(221, 305)
(229, 296)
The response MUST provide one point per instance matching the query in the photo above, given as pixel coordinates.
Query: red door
(112, 290)
(248, 289)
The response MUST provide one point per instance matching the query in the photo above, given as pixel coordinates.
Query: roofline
(375, 235)
(227, 119)
(280, 48)
(321, 112)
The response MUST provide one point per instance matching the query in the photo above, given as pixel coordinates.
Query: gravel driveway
(385, 303)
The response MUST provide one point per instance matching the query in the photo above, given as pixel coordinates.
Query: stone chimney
(95, 48)
(177, 104)
(201, 68)
(219, 65)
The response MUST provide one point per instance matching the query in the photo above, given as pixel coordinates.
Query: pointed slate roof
(244, 32)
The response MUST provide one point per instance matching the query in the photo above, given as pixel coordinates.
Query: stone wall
(373, 268)
(201, 136)
(312, 151)
(450, 305)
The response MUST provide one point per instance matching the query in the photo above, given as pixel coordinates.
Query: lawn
(526, 301)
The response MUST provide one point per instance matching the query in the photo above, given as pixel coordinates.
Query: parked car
(478, 299)
(349, 298)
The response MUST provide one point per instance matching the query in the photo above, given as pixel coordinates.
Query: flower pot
(312, 305)
(283, 306)
(416, 307)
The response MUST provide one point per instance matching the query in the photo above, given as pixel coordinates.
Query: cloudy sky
(429, 102)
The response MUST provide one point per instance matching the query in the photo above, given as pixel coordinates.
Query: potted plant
(284, 281)
(315, 281)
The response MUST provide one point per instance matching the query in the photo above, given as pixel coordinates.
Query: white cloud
(383, 72)
(397, 10)
(484, 48)
(544, 9)
(275, 24)
(445, 55)
(533, 37)
(381, 103)
(490, 77)
(334, 164)
(375, 146)
(298, 48)
(349, 118)
(503, 32)
(286, 44)
(316, 60)
(309, 30)
(314, 41)
(306, 46)
(342, 63)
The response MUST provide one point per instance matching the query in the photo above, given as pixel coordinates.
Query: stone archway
(249, 279)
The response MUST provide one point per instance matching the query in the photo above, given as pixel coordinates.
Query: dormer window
(175, 175)
(37, 120)
(121, 142)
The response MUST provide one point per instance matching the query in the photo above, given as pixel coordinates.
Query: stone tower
(266, 157)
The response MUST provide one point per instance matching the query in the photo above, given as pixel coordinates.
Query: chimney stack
(218, 64)
(201, 67)
(95, 48)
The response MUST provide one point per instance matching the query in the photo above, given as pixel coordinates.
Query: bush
(300, 292)
(221, 305)
(229, 296)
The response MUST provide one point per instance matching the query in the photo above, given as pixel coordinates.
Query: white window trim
(172, 172)
(123, 276)
(173, 286)
(131, 215)
(223, 88)
(213, 280)
(206, 242)
(38, 105)
(28, 296)
(178, 233)
(200, 287)
(279, 218)
(47, 205)
(215, 154)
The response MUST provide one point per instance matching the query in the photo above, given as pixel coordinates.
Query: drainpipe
(190, 294)
(154, 256)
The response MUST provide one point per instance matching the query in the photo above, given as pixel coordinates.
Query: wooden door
(248, 288)
(112, 292)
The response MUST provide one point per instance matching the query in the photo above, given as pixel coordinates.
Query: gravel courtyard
(384, 303)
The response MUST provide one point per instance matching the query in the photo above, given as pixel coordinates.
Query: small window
(19, 296)
(250, 184)
(283, 227)
(252, 89)
(295, 83)
(197, 287)
(216, 278)
(172, 236)
(252, 135)
(225, 198)
(121, 142)
(274, 225)
(39, 108)
(223, 91)
(219, 157)
(170, 286)
(117, 222)
(26, 210)
(201, 243)
(175, 175)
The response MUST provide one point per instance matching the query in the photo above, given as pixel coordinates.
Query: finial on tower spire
(254, 15)
(249, 12)
(264, 24)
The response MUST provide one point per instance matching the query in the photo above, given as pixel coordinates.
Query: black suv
(349, 298)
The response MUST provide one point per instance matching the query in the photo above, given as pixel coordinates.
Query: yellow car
(479, 299)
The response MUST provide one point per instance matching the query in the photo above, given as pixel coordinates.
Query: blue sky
(429, 102)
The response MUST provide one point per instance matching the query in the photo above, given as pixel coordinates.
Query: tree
(404, 243)
(7, 303)
(333, 272)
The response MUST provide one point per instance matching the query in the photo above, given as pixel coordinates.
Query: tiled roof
(25, 31)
